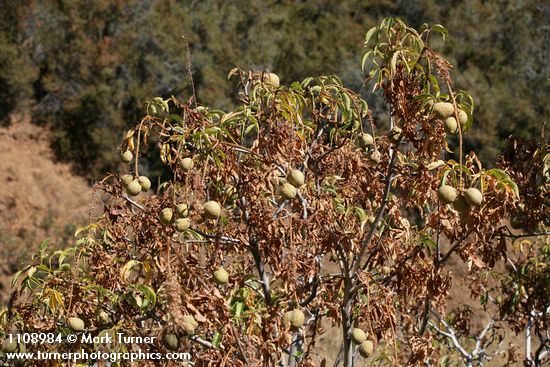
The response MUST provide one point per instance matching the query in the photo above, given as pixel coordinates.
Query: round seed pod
(127, 156)
(166, 215)
(371, 219)
(187, 164)
(447, 194)
(182, 210)
(131, 271)
(133, 188)
(221, 276)
(358, 336)
(190, 320)
(366, 140)
(145, 183)
(182, 224)
(296, 178)
(171, 341)
(366, 348)
(296, 318)
(75, 324)
(288, 191)
(443, 109)
(212, 210)
(271, 78)
(451, 126)
(473, 196)
(188, 328)
(126, 179)
(103, 317)
(375, 156)
(462, 117)
(460, 204)
(8, 346)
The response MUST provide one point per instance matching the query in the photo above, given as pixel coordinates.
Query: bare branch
(523, 235)
(216, 236)
(201, 341)
(303, 200)
(239, 345)
(374, 226)
(479, 339)
(449, 334)
(125, 197)
(528, 354)
(453, 248)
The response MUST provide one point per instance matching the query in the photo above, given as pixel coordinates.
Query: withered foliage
(525, 289)
(362, 244)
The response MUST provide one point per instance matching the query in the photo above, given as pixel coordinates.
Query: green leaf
(440, 29)
(428, 243)
(216, 339)
(44, 245)
(360, 212)
(365, 58)
(393, 64)
(17, 276)
(175, 118)
(444, 177)
(80, 230)
(505, 179)
(306, 82)
(239, 307)
(435, 84)
(369, 34)
(468, 125)
(232, 72)
(347, 101)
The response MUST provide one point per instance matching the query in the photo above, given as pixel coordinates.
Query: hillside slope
(39, 198)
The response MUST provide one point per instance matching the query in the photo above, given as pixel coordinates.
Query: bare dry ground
(39, 199)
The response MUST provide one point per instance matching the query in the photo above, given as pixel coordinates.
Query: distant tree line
(87, 68)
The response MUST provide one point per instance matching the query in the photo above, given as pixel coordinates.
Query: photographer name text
(84, 338)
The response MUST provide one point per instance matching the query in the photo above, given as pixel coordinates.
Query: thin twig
(189, 72)
(374, 226)
(125, 197)
(459, 129)
(453, 248)
(313, 293)
(303, 200)
(201, 341)
(526, 235)
(241, 350)
(312, 337)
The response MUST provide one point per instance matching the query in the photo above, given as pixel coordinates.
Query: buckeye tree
(297, 212)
